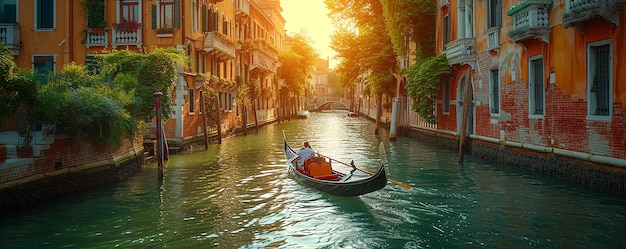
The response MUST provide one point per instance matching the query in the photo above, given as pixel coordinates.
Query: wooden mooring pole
(466, 108)
(159, 155)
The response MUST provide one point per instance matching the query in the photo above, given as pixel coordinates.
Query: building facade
(539, 76)
(227, 41)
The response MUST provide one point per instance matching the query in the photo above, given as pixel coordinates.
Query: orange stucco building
(230, 41)
(544, 78)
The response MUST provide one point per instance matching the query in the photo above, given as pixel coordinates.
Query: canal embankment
(62, 165)
(596, 172)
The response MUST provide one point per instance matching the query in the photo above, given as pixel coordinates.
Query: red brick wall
(67, 153)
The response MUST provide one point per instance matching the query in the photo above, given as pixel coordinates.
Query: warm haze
(310, 17)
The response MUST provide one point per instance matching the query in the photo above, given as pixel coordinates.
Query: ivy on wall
(423, 83)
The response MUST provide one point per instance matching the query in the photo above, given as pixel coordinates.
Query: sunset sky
(310, 17)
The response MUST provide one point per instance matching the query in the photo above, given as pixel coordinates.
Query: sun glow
(310, 17)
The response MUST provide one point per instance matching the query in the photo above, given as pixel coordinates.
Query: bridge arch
(324, 101)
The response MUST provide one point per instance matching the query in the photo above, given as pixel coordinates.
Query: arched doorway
(465, 84)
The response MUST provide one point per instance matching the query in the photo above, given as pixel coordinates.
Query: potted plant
(127, 26)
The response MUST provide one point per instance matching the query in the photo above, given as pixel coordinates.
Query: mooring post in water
(393, 128)
(159, 155)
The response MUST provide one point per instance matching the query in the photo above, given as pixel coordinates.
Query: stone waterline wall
(68, 166)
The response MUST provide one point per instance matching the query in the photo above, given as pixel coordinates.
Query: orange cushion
(319, 169)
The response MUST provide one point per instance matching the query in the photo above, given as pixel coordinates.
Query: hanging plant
(95, 13)
(423, 82)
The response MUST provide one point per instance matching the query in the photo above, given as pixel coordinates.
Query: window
(494, 14)
(129, 11)
(166, 13)
(536, 89)
(43, 63)
(201, 96)
(446, 97)
(599, 78)
(220, 100)
(44, 14)
(494, 91)
(192, 100)
(194, 14)
(446, 29)
(8, 11)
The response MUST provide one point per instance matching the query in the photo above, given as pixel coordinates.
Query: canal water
(239, 195)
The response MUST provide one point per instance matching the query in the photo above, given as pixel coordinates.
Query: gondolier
(319, 174)
(304, 154)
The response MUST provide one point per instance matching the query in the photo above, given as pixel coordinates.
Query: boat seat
(320, 169)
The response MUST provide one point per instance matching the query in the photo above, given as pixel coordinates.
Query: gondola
(319, 174)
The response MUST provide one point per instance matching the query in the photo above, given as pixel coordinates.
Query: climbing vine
(423, 83)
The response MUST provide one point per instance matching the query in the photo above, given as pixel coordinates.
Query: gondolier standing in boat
(304, 153)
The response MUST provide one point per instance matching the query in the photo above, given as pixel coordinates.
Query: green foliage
(412, 19)
(95, 13)
(96, 109)
(365, 48)
(8, 101)
(112, 105)
(156, 71)
(423, 83)
(297, 63)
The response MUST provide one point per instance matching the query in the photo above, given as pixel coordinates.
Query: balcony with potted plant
(96, 32)
(127, 32)
(165, 31)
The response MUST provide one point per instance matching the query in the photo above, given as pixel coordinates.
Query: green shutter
(154, 17)
(177, 14)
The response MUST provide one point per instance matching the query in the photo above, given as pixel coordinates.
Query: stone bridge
(323, 101)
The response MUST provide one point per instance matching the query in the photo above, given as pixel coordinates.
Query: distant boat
(319, 174)
(353, 114)
(303, 114)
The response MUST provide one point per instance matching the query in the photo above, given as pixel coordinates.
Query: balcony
(10, 36)
(242, 8)
(460, 51)
(218, 45)
(493, 38)
(97, 37)
(529, 20)
(262, 63)
(577, 12)
(127, 38)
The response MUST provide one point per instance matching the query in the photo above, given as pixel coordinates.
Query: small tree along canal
(239, 195)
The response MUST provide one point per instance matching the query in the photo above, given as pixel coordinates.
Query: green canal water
(239, 195)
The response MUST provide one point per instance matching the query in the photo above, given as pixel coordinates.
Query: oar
(367, 172)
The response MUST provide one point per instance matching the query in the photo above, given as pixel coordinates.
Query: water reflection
(239, 195)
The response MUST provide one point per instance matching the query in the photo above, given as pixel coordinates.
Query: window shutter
(154, 17)
(177, 14)
(204, 19)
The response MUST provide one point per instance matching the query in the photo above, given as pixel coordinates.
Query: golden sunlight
(310, 17)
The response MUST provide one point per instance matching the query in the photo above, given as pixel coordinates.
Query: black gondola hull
(344, 187)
